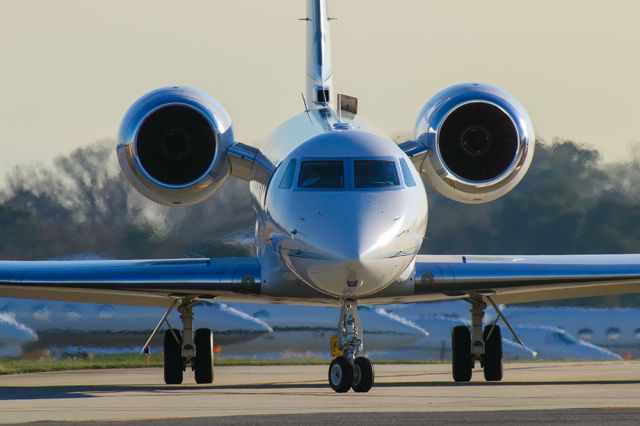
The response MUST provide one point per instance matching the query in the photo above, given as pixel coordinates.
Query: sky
(69, 69)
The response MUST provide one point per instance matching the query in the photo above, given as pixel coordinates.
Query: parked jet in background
(311, 332)
(552, 343)
(616, 329)
(241, 330)
(542, 342)
(341, 214)
(115, 328)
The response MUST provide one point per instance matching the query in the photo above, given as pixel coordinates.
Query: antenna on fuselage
(304, 102)
(306, 106)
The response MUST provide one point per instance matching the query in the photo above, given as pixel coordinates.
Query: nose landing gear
(350, 370)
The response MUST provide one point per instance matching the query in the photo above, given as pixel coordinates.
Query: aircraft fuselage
(347, 235)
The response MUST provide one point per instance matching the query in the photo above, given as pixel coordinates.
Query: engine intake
(479, 142)
(172, 145)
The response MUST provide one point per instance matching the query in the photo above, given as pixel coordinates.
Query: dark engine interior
(478, 141)
(176, 145)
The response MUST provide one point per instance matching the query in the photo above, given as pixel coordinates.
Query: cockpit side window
(406, 173)
(562, 338)
(375, 174)
(322, 174)
(289, 173)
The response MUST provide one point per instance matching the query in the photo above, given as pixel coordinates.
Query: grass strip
(18, 366)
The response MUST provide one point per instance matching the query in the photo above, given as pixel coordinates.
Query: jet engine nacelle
(479, 142)
(172, 145)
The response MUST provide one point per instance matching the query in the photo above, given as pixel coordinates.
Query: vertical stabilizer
(319, 77)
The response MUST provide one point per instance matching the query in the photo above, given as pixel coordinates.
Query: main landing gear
(350, 370)
(484, 346)
(186, 348)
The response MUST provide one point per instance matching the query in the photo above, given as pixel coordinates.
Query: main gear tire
(461, 357)
(492, 354)
(203, 364)
(173, 363)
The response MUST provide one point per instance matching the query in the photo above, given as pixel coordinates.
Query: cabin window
(585, 333)
(406, 173)
(289, 173)
(375, 174)
(321, 175)
(613, 333)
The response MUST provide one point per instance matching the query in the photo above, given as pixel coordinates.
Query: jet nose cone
(355, 245)
(356, 260)
(356, 269)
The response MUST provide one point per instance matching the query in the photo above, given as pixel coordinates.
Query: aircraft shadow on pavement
(87, 391)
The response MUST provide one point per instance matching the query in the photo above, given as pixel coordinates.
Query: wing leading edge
(129, 282)
(519, 279)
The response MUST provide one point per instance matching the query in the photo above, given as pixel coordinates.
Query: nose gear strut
(351, 369)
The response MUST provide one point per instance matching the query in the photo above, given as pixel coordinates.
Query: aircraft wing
(508, 279)
(519, 279)
(129, 282)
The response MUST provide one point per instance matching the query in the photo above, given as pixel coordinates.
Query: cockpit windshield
(322, 174)
(375, 174)
(351, 174)
(563, 338)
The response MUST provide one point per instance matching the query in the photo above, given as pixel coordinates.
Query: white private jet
(542, 341)
(616, 329)
(341, 215)
(314, 326)
(109, 327)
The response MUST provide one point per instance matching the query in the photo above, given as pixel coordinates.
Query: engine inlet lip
(152, 179)
(489, 182)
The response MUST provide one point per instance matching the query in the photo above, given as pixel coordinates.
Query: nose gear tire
(340, 375)
(363, 375)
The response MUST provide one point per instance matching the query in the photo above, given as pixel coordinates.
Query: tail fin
(319, 76)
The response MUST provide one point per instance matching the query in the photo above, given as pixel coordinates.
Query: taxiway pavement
(136, 394)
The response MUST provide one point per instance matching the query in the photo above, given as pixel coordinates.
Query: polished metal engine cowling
(172, 145)
(478, 142)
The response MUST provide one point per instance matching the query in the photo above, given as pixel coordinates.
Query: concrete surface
(136, 394)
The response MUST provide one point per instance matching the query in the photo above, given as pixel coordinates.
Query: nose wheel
(350, 370)
(363, 375)
(340, 374)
